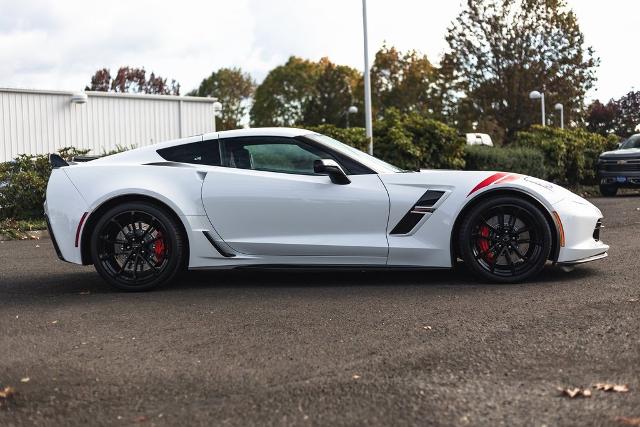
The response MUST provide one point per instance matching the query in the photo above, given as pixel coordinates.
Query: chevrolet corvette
(294, 198)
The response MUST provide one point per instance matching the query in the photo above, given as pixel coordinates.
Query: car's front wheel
(505, 240)
(137, 246)
(608, 190)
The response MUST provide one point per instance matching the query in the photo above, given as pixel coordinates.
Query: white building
(41, 122)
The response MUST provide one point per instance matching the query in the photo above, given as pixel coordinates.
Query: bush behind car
(571, 156)
(523, 160)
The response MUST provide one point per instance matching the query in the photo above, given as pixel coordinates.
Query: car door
(266, 200)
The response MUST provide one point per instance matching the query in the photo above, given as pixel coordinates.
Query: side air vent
(218, 248)
(422, 207)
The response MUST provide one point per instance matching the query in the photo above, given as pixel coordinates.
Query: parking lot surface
(328, 347)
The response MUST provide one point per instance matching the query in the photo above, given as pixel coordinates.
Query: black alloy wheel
(137, 246)
(505, 240)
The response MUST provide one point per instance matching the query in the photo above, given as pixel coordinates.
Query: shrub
(23, 183)
(355, 137)
(571, 156)
(411, 141)
(526, 161)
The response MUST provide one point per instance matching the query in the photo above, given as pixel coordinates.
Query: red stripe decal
(509, 178)
(493, 178)
(84, 216)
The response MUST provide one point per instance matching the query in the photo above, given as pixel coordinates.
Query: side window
(199, 153)
(271, 154)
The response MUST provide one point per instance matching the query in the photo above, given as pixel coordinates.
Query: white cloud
(59, 44)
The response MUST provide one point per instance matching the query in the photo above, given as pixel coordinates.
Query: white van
(479, 139)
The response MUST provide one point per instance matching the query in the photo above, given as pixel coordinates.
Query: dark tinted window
(271, 154)
(199, 153)
(285, 155)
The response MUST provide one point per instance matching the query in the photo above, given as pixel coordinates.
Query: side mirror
(333, 169)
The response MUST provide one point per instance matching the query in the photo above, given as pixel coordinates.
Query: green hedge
(409, 141)
(571, 156)
(526, 161)
(23, 184)
(355, 137)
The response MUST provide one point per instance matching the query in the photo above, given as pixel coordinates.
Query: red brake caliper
(159, 249)
(483, 243)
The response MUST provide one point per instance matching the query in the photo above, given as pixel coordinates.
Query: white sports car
(290, 197)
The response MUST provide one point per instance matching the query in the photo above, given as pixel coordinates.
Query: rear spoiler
(57, 161)
(82, 159)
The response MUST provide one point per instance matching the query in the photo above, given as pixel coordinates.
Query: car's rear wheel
(608, 190)
(505, 240)
(137, 246)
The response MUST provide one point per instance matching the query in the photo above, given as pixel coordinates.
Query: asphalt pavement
(322, 348)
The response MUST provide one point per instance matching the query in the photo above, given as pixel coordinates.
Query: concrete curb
(29, 235)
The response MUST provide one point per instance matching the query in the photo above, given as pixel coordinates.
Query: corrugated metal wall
(41, 122)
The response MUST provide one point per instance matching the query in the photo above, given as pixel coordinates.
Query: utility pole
(367, 81)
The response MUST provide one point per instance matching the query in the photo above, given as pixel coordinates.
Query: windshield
(633, 142)
(370, 161)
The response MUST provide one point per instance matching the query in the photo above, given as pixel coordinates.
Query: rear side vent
(422, 207)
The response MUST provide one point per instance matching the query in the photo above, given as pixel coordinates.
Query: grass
(19, 228)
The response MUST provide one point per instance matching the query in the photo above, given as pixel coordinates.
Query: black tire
(608, 190)
(138, 246)
(505, 239)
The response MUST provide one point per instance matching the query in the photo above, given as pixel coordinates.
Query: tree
(500, 50)
(234, 89)
(333, 94)
(282, 98)
(620, 117)
(132, 80)
(157, 85)
(404, 82)
(601, 118)
(628, 118)
(100, 81)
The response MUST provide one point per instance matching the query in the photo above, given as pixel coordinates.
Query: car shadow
(85, 281)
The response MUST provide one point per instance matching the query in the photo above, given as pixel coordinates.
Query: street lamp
(367, 81)
(351, 110)
(560, 107)
(537, 95)
(217, 109)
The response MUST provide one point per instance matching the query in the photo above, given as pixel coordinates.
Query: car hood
(626, 153)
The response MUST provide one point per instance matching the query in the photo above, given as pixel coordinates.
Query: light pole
(351, 110)
(217, 109)
(367, 81)
(537, 95)
(560, 107)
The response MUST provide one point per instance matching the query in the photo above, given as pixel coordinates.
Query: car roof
(268, 131)
(148, 153)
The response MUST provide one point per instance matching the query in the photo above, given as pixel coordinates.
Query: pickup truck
(620, 168)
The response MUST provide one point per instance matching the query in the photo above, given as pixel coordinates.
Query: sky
(59, 44)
